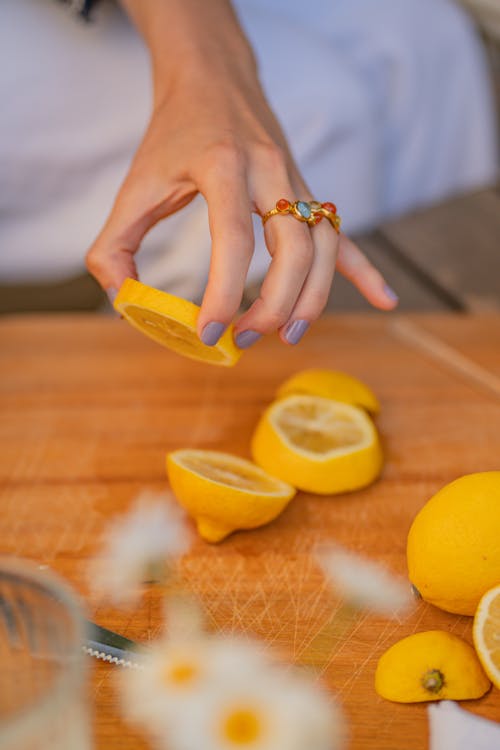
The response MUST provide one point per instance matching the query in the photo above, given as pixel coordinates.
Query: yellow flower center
(242, 727)
(181, 673)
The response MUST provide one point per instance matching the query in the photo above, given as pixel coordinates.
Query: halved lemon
(486, 633)
(171, 322)
(331, 384)
(318, 445)
(223, 492)
(430, 666)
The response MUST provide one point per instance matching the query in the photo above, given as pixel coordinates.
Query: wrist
(192, 40)
(201, 59)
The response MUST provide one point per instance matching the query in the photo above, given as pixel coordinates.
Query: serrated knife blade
(111, 647)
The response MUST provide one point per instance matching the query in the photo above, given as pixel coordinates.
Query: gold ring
(310, 212)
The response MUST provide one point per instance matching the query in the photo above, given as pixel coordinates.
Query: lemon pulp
(223, 492)
(171, 322)
(317, 444)
(486, 633)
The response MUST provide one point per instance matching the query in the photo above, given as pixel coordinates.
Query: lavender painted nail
(212, 333)
(246, 338)
(295, 331)
(390, 293)
(111, 292)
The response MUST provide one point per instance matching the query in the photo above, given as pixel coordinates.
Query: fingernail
(294, 331)
(246, 338)
(390, 293)
(212, 333)
(111, 292)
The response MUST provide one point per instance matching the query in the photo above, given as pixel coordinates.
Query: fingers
(138, 207)
(356, 267)
(230, 218)
(291, 247)
(316, 289)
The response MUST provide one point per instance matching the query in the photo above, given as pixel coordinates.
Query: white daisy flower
(364, 584)
(138, 546)
(175, 670)
(266, 710)
(224, 693)
(171, 669)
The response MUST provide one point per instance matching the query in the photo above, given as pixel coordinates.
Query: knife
(114, 648)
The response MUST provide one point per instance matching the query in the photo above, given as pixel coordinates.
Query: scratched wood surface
(88, 408)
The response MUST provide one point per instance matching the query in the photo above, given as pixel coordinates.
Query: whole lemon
(453, 546)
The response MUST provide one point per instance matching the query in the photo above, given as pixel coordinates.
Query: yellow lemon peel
(171, 322)
(430, 666)
(318, 445)
(453, 548)
(486, 633)
(339, 386)
(224, 493)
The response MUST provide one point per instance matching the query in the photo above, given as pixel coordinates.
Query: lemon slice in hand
(486, 633)
(318, 445)
(223, 492)
(331, 384)
(171, 322)
(430, 666)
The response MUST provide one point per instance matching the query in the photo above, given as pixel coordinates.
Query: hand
(212, 131)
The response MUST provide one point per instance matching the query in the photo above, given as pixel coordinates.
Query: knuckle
(303, 255)
(271, 155)
(367, 274)
(225, 156)
(222, 303)
(239, 236)
(94, 260)
(317, 300)
(276, 314)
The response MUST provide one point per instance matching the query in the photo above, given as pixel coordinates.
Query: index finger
(231, 229)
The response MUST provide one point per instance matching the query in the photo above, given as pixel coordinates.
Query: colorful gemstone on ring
(283, 204)
(304, 209)
(330, 207)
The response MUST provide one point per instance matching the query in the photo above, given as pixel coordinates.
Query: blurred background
(439, 250)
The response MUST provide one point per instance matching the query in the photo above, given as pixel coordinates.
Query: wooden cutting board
(88, 408)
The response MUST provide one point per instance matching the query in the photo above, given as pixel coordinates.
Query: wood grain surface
(455, 245)
(88, 409)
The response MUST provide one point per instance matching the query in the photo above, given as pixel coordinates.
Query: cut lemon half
(171, 322)
(318, 445)
(486, 633)
(331, 384)
(430, 666)
(223, 492)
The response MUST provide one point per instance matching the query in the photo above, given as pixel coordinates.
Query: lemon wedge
(171, 322)
(331, 384)
(486, 633)
(430, 666)
(317, 444)
(223, 492)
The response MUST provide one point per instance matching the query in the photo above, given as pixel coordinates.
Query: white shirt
(389, 107)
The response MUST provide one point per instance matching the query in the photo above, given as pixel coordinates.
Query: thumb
(111, 258)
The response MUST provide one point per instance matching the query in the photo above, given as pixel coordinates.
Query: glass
(43, 700)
